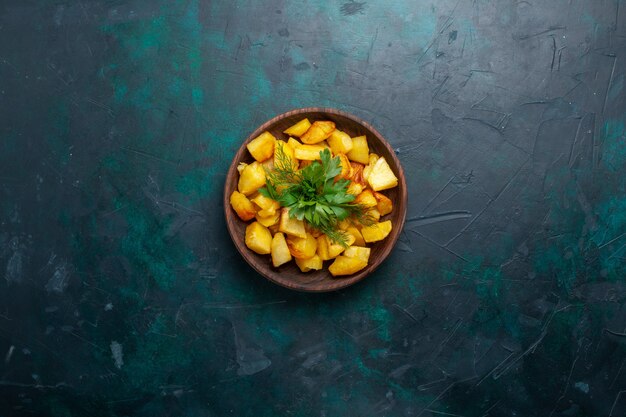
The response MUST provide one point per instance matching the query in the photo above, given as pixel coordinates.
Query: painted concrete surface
(123, 295)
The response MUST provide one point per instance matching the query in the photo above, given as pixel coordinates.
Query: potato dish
(316, 196)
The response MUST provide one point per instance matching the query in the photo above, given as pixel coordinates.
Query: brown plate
(288, 275)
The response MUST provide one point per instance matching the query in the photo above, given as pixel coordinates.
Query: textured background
(122, 293)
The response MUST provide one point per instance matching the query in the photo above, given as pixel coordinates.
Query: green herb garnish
(313, 194)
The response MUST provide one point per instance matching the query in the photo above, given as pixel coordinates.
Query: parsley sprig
(314, 194)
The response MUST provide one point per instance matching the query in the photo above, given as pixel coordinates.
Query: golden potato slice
(368, 168)
(376, 232)
(262, 147)
(328, 249)
(340, 142)
(312, 263)
(381, 177)
(358, 237)
(267, 220)
(258, 238)
(346, 266)
(242, 206)
(344, 224)
(366, 198)
(366, 172)
(251, 179)
(360, 150)
(268, 164)
(302, 248)
(346, 167)
(384, 205)
(265, 204)
(291, 226)
(357, 172)
(318, 131)
(359, 252)
(266, 213)
(322, 248)
(299, 128)
(293, 143)
(308, 152)
(279, 250)
(374, 214)
(355, 188)
(289, 155)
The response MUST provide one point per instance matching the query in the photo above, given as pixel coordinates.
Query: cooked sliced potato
(262, 147)
(299, 128)
(359, 252)
(242, 206)
(291, 226)
(289, 154)
(268, 219)
(266, 213)
(293, 143)
(279, 250)
(327, 249)
(349, 239)
(344, 224)
(374, 214)
(284, 238)
(302, 248)
(368, 168)
(340, 142)
(377, 231)
(346, 266)
(267, 206)
(258, 238)
(357, 172)
(384, 204)
(381, 176)
(355, 188)
(322, 248)
(251, 179)
(268, 164)
(308, 152)
(366, 198)
(312, 263)
(346, 167)
(360, 150)
(318, 131)
(358, 237)
(366, 172)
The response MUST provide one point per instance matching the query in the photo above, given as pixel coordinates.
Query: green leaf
(340, 212)
(288, 200)
(332, 167)
(265, 192)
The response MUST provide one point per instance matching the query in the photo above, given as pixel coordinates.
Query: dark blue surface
(123, 294)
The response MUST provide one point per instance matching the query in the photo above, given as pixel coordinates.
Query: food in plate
(314, 197)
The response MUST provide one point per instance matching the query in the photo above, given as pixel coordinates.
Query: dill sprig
(314, 194)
